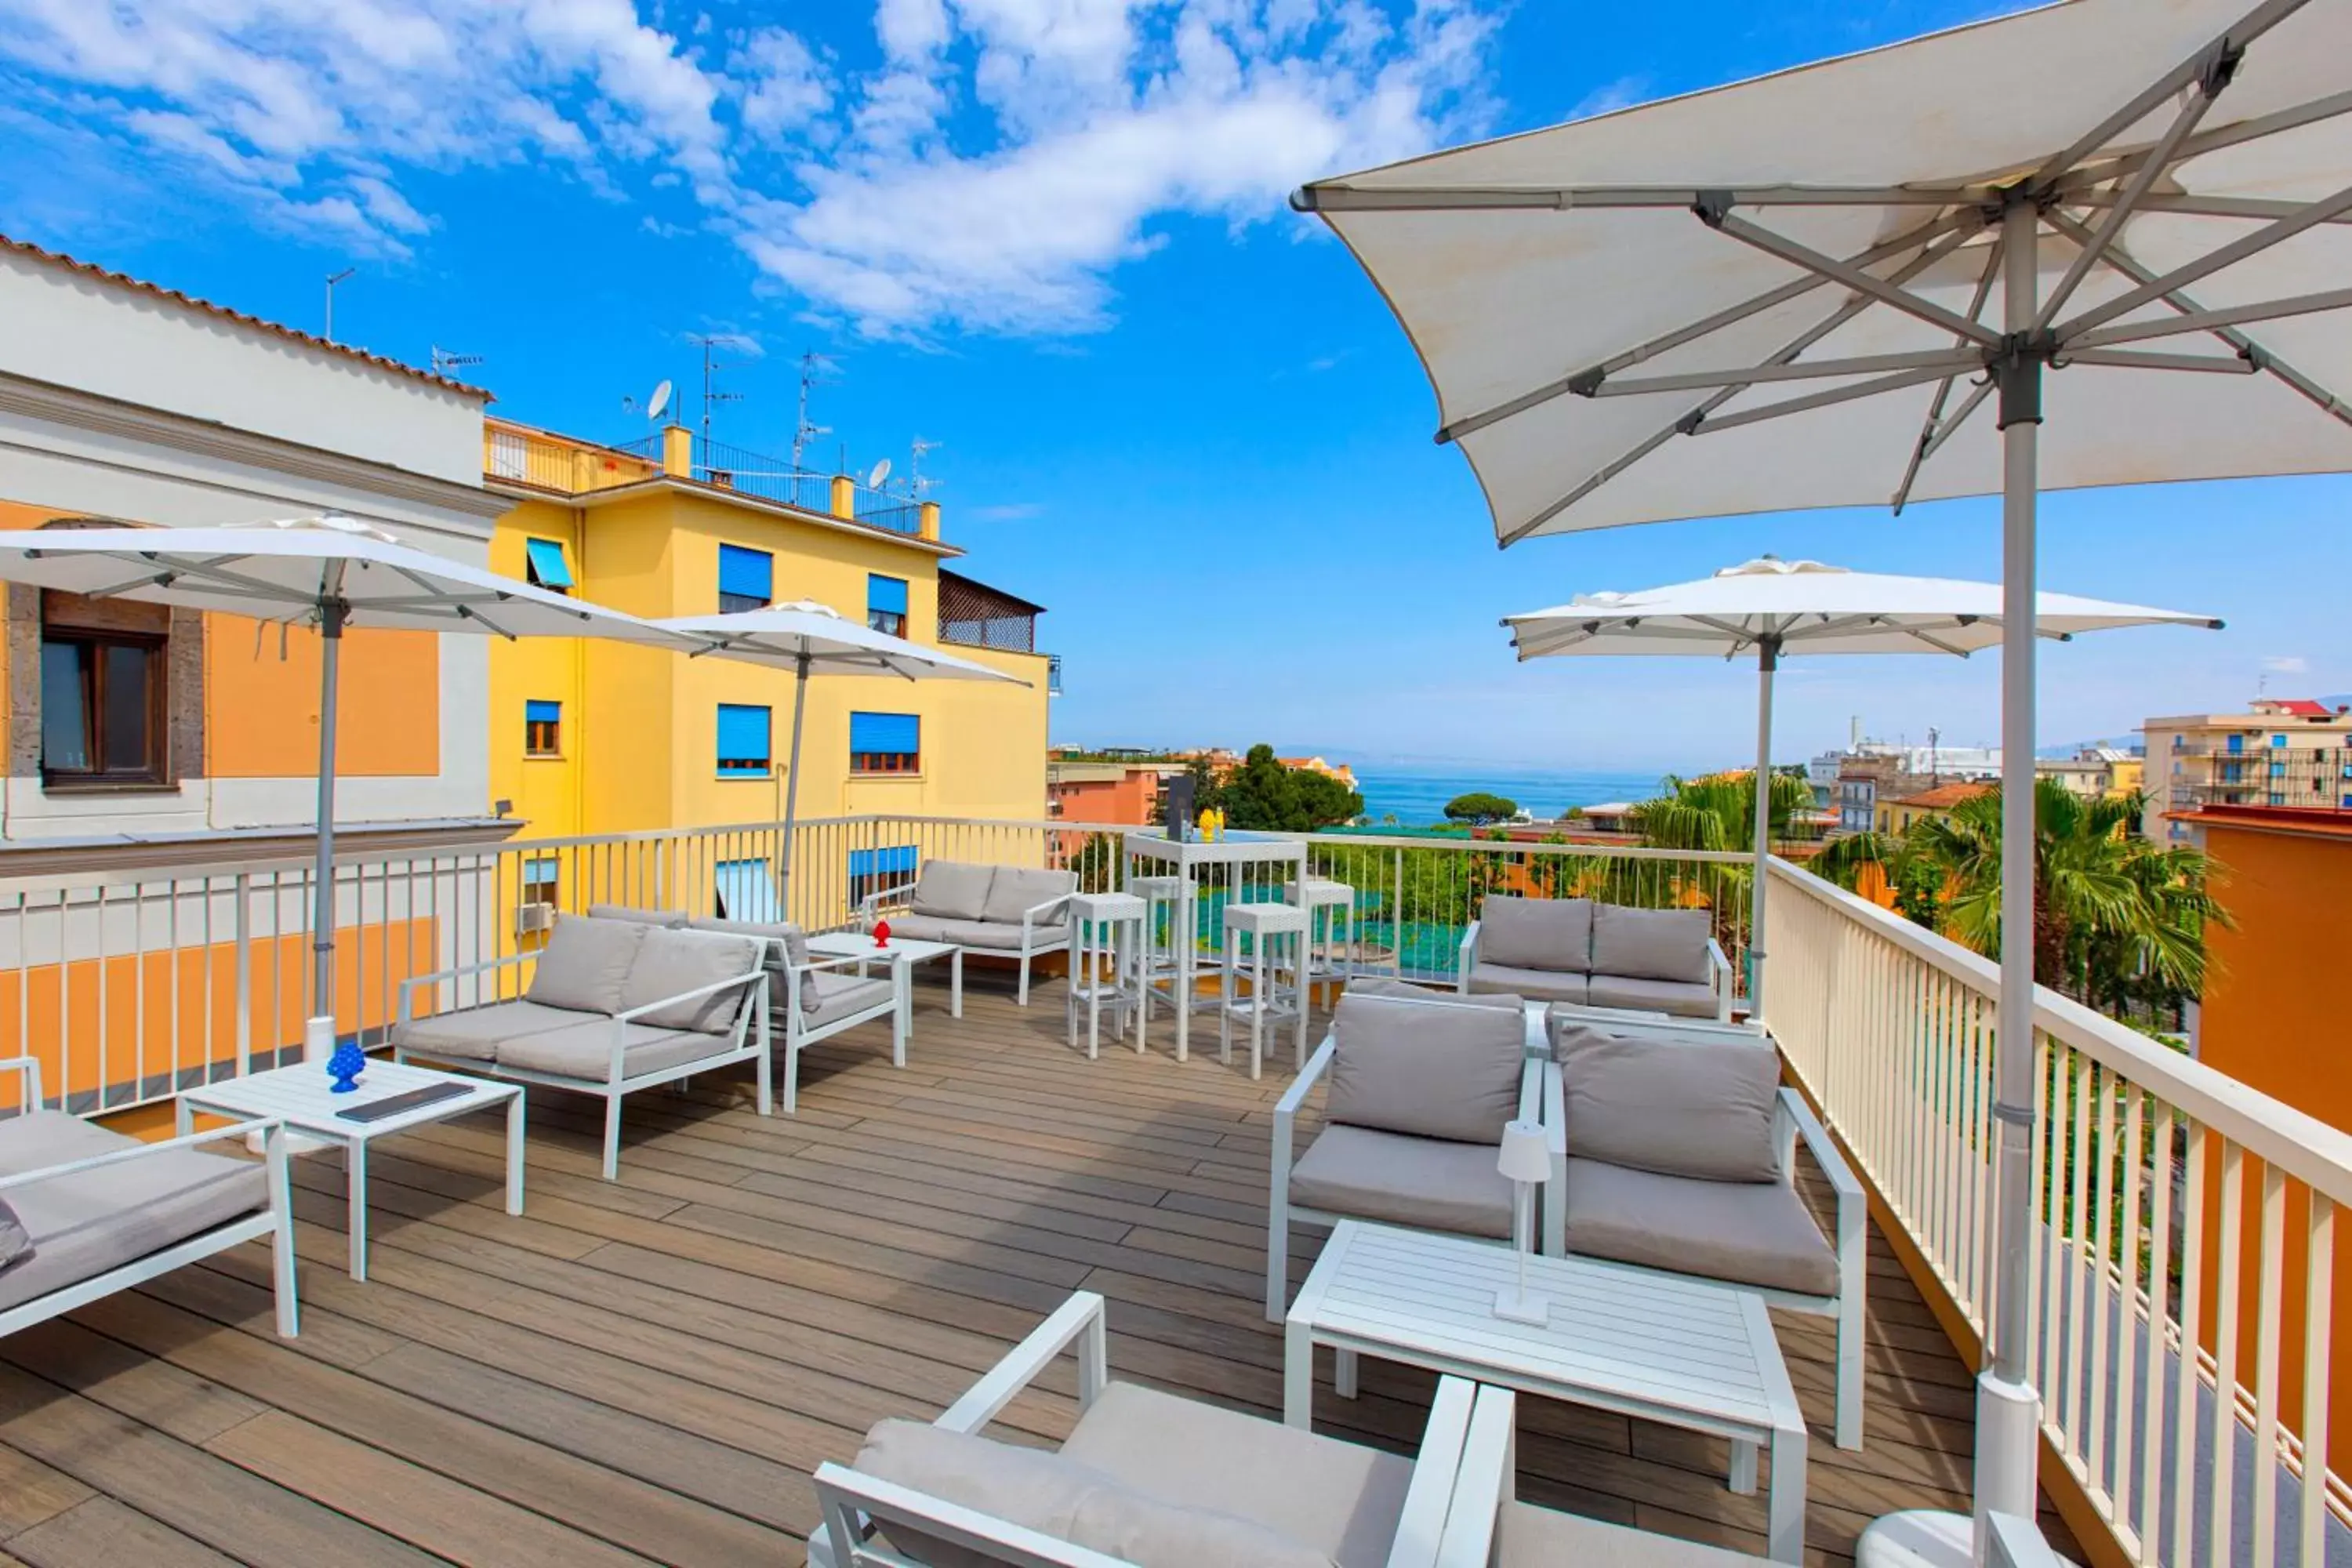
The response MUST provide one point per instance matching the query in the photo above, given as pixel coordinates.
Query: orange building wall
(263, 718)
(2273, 1018)
(1129, 802)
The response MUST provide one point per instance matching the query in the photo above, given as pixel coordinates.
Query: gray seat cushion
(1428, 1069)
(1680, 1109)
(841, 993)
(1063, 1498)
(991, 937)
(474, 1033)
(669, 920)
(82, 1225)
(670, 964)
(1652, 944)
(922, 928)
(1529, 1537)
(782, 943)
(951, 890)
(1426, 1184)
(1535, 985)
(586, 1050)
(1553, 934)
(585, 963)
(1016, 890)
(1681, 998)
(1337, 1499)
(15, 1241)
(1747, 1233)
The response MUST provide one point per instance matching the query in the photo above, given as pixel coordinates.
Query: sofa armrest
(1720, 976)
(1078, 1319)
(1036, 913)
(882, 896)
(238, 1130)
(1483, 1482)
(1466, 959)
(28, 1071)
(1793, 1119)
(1285, 1113)
(1437, 1473)
(408, 987)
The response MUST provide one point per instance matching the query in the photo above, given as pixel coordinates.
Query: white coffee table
(1687, 1354)
(303, 1096)
(904, 953)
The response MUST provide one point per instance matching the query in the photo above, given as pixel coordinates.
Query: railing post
(244, 940)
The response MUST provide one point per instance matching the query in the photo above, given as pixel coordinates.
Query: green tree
(1718, 810)
(1263, 794)
(1480, 807)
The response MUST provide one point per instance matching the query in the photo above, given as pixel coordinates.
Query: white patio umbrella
(1774, 295)
(1769, 608)
(809, 638)
(324, 572)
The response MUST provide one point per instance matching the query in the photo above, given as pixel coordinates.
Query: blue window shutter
(540, 871)
(901, 732)
(886, 594)
(746, 892)
(537, 712)
(547, 563)
(897, 859)
(743, 734)
(750, 573)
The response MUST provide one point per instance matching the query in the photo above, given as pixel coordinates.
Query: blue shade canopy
(747, 573)
(901, 732)
(539, 713)
(743, 734)
(548, 568)
(898, 859)
(746, 892)
(886, 594)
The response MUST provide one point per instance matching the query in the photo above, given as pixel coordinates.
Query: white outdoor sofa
(1674, 1150)
(1009, 911)
(1144, 1477)
(1596, 955)
(86, 1212)
(1420, 1089)
(613, 1006)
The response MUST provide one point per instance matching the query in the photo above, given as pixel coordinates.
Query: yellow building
(1898, 813)
(591, 736)
(2282, 752)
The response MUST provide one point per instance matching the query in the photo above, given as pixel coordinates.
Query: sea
(1416, 793)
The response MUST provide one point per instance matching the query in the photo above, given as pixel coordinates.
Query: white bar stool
(1330, 956)
(1277, 934)
(1101, 934)
(1161, 964)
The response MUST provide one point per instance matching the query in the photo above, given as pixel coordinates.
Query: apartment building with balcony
(2291, 752)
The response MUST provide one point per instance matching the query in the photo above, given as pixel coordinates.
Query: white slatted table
(303, 1095)
(903, 954)
(1686, 1354)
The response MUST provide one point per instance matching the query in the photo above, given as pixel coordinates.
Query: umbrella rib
(1950, 427)
(1939, 644)
(1797, 255)
(2126, 359)
(2168, 147)
(1937, 231)
(1801, 369)
(1806, 403)
(1925, 448)
(2074, 186)
(2213, 261)
(2208, 321)
(1564, 198)
(2250, 209)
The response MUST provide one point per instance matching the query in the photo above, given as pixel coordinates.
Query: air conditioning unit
(529, 918)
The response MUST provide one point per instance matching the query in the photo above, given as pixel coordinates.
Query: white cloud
(2286, 664)
(1609, 96)
(989, 167)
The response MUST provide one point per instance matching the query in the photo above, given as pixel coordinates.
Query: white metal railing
(2181, 1295)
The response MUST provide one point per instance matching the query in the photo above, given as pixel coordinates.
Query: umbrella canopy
(1769, 608)
(809, 638)
(1872, 281)
(325, 573)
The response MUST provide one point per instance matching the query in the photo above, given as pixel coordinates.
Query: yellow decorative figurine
(1208, 826)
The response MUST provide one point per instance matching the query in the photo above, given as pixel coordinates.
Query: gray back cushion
(1016, 890)
(1652, 944)
(1536, 933)
(672, 963)
(672, 918)
(1676, 1108)
(585, 963)
(1389, 985)
(783, 943)
(1434, 1069)
(1063, 1499)
(952, 890)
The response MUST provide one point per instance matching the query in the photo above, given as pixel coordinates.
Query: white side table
(303, 1096)
(902, 954)
(1102, 922)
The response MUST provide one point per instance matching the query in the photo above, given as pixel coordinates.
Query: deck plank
(649, 1369)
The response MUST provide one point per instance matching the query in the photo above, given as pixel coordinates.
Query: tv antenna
(879, 472)
(333, 279)
(815, 370)
(656, 402)
(918, 484)
(447, 360)
(711, 343)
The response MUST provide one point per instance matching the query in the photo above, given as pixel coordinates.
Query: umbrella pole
(1767, 659)
(318, 1030)
(792, 784)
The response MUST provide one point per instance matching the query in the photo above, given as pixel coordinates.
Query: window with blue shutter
(885, 743)
(541, 877)
(886, 604)
(546, 568)
(742, 742)
(542, 729)
(747, 579)
(875, 871)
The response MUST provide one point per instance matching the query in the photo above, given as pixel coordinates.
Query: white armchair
(1199, 1482)
(102, 1211)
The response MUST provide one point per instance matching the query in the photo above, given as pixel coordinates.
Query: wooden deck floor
(649, 1371)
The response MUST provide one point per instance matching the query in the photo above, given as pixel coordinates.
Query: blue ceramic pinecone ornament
(346, 1065)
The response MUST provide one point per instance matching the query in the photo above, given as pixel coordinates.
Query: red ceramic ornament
(881, 933)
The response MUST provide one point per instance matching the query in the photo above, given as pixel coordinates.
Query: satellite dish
(657, 402)
(881, 472)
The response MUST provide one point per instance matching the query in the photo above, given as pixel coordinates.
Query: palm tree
(1718, 811)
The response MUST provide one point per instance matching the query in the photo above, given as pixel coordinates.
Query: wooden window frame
(156, 774)
(552, 749)
(885, 762)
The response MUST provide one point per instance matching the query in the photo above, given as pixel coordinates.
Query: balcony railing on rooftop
(2184, 1253)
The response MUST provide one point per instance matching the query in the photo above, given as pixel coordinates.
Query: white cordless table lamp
(1526, 1160)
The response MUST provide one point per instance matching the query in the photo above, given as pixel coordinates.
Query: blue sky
(1050, 235)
